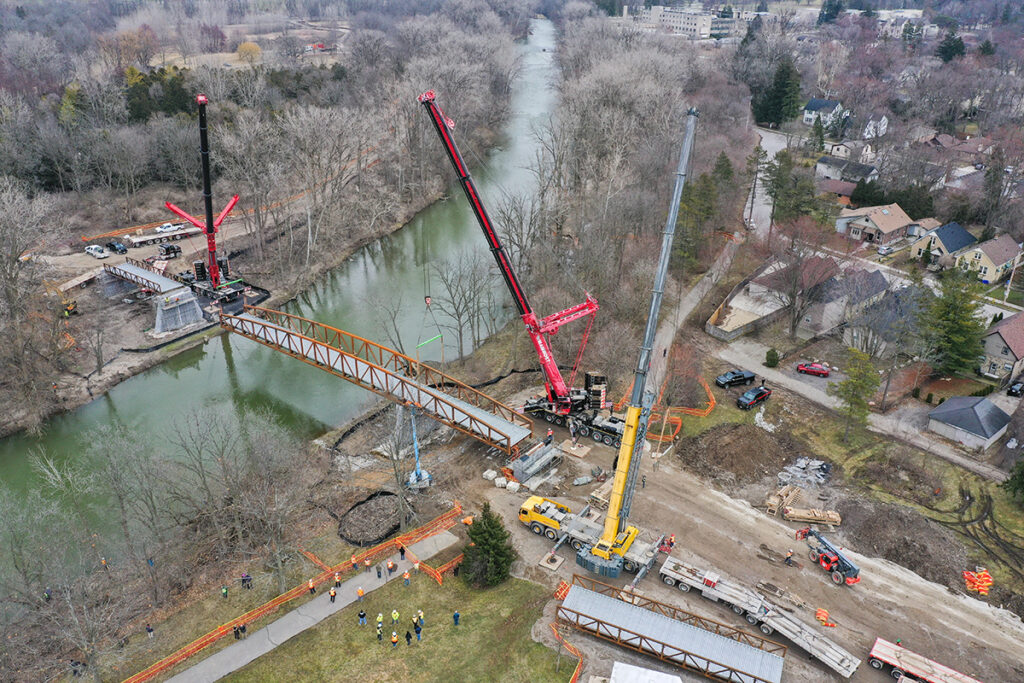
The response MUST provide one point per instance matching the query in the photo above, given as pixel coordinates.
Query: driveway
(771, 141)
(747, 354)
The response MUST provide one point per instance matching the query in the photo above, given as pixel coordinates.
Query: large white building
(692, 22)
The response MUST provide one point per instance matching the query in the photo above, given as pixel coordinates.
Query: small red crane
(209, 227)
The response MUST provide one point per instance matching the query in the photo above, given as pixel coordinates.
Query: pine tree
(818, 135)
(952, 46)
(722, 173)
(952, 328)
(855, 392)
(762, 6)
(987, 48)
(830, 10)
(781, 101)
(1015, 484)
(488, 559)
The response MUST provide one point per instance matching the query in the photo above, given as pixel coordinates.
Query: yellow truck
(553, 519)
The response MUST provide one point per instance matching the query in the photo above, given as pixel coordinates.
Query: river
(233, 374)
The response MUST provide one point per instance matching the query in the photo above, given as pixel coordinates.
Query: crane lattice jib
(638, 413)
(558, 391)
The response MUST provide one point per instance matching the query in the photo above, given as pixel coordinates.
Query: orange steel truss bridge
(385, 372)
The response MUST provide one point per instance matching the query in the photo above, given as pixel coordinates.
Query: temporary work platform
(670, 634)
(386, 372)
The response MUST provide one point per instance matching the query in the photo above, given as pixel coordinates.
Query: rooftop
(1001, 249)
(974, 414)
(888, 217)
(856, 283)
(954, 237)
(839, 187)
(1012, 331)
(818, 104)
(813, 271)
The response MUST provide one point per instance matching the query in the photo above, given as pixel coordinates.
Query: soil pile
(736, 453)
(906, 537)
(370, 521)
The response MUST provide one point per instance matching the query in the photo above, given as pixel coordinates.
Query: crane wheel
(560, 421)
(549, 417)
(597, 436)
(814, 555)
(618, 442)
(550, 533)
(838, 578)
(536, 528)
(630, 566)
(608, 441)
(875, 663)
(584, 431)
(576, 545)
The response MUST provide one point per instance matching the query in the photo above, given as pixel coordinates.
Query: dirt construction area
(717, 532)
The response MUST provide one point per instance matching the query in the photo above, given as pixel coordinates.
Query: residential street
(747, 354)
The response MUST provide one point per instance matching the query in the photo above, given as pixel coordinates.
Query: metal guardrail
(131, 277)
(379, 369)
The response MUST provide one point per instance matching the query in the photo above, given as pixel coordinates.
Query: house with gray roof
(993, 259)
(888, 325)
(834, 168)
(841, 297)
(946, 240)
(828, 110)
(973, 421)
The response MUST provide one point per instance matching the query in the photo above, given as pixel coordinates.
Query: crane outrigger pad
(386, 372)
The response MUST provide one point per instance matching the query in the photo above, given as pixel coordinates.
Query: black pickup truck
(734, 378)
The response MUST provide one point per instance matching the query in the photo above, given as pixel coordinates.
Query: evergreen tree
(994, 186)
(1015, 484)
(952, 328)
(762, 6)
(781, 102)
(952, 46)
(818, 135)
(830, 10)
(867, 194)
(489, 557)
(987, 48)
(911, 34)
(926, 257)
(855, 392)
(722, 173)
(755, 164)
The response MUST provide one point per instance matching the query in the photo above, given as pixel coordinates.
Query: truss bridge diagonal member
(386, 372)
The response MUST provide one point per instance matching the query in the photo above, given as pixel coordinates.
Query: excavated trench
(371, 520)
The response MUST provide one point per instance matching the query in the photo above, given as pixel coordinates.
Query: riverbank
(76, 390)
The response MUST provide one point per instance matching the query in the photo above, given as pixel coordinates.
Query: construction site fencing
(389, 547)
(573, 651)
(671, 415)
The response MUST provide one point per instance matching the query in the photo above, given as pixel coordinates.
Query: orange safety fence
(573, 651)
(441, 523)
(673, 413)
(313, 558)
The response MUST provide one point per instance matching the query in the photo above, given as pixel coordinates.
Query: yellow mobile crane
(606, 556)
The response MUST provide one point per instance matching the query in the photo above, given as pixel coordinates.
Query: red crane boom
(557, 390)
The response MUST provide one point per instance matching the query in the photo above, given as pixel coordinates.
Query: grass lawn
(492, 642)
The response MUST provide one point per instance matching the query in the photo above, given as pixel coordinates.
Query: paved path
(673, 321)
(234, 657)
(746, 353)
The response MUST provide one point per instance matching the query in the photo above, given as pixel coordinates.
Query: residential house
(949, 239)
(830, 111)
(875, 127)
(852, 150)
(883, 327)
(973, 421)
(1004, 348)
(878, 224)
(840, 298)
(834, 168)
(993, 259)
(838, 190)
(780, 281)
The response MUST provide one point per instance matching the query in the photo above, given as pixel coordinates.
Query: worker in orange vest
(312, 587)
(334, 593)
(394, 639)
(367, 564)
(337, 579)
(355, 565)
(405, 577)
(391, 567)
(359, 593)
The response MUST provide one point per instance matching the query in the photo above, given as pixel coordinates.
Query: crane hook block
(426, 97)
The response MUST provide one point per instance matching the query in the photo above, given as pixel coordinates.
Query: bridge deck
(364, 363)
(670, 640)
(142, 276)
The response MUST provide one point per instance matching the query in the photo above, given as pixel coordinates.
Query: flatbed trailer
(158, 237)
(906, 665)
(586, 528)
(758, 611)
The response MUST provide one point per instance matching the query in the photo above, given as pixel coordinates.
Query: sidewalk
(260, 642)
(746, 353)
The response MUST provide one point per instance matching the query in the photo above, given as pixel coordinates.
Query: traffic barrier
(389, 547)
(573, 651)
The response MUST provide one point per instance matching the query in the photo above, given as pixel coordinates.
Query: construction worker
(355, 565)
(47, 594)
(333, 594)
(337, 579)
(401, 552)
(789, 558)
(149, 630)
(419, 630)
(224, 591)
(455, 617)
(359, 593)
(405, 577)
(672, 541)
(419, 617)
(379, 572)
(394, 617)
(380, 619)
(380, 633)
(408, 639)
(394, 639)
(550, 437)
(391, 568)
(367, 564)
(312, 587)
(362, 617)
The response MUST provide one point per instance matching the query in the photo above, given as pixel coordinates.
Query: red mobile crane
(562, 401)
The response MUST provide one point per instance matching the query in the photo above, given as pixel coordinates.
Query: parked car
(116, 247)
(752, 397)
(735, 377)
(96, 251)
(812, 369)
(169, 227)
(885, 250)
(1015, 389)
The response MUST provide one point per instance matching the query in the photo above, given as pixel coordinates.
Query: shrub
(928, 399)
(941, 400)
(916, 393)
(771, 359)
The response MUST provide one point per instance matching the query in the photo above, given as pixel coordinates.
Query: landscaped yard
(944, 387)
(491, 643)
